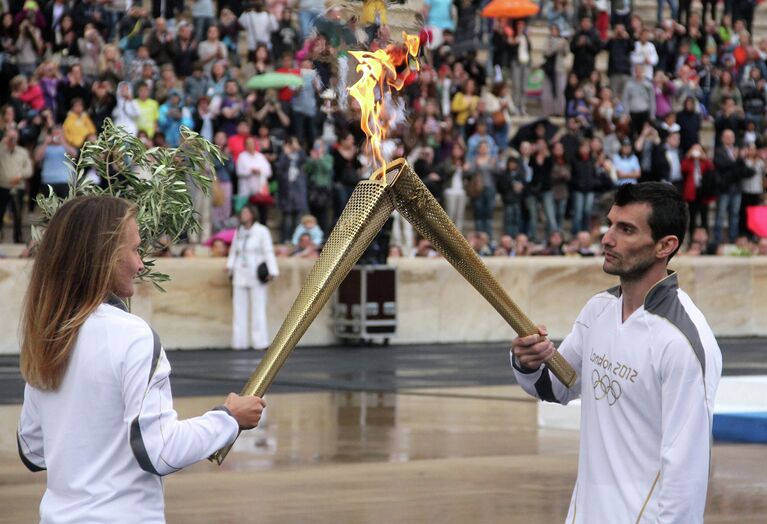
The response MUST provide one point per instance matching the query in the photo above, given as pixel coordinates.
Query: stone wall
(435, 304)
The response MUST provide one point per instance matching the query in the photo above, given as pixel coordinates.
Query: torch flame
(379, 70)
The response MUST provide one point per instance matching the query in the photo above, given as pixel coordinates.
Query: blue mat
(741, 427)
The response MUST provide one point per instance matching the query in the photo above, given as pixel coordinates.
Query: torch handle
(256, 386)
(520, 323)
(562, 369)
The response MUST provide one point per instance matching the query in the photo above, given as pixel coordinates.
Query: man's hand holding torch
(533, 350)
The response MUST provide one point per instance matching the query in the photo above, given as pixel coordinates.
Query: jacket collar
(657, 293)
(661, 290)
(114, 300)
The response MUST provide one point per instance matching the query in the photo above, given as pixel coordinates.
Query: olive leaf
(160, 181)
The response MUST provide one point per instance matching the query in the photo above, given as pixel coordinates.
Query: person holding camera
(511, 186)
(319, 178)
(728, 163)
(72, 87)
(305, 109)
(159, 42)
(90, 46)
(619, 48)
(699, 186)
(78, 125)
(639, 100)
(171, 116)
(253, 172)
(429, 174)
(29, 45)
(51, 155)
(291, 176)
(211, 49)
(259, 25)
(15, 170)
(272, 114)
(126, 112)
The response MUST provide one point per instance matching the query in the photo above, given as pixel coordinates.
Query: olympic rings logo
(605, 388)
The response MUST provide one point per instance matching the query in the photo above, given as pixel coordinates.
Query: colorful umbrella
(227, 235)
(510, 9)
(527, 132)
(756, 220)
(274, 81)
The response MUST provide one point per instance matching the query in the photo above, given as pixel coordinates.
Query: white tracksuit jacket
(647, 387)
(109, 432)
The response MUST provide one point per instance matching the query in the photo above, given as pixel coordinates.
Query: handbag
(262, 272)
(476, 185)
(709, 184)
(264, 198)
(217, 194)
(319, 197)
(499, 118)
(549, 66)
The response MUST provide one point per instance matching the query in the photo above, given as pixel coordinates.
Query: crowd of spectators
(536, 188)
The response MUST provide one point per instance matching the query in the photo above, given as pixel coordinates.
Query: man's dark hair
(669, 215)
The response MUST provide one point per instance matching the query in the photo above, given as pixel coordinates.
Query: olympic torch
(393, 186)
(371, 204)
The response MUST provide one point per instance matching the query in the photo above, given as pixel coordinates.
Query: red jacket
(690, 192)
(33, 97)
(286, 93)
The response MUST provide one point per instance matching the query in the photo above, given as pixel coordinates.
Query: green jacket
(319, 172)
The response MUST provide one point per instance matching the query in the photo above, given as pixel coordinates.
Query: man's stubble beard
(632, 273)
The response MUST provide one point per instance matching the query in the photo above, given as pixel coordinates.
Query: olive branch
(159, 181)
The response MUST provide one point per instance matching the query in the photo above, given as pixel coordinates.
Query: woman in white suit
(251, 246)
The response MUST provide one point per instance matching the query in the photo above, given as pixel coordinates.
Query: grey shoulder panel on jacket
(663, 301)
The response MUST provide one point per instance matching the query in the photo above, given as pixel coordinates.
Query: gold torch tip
(389, 173)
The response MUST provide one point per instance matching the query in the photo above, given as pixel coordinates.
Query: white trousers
(455, 206)
(402, 234)
(248, 185)
(249, 328)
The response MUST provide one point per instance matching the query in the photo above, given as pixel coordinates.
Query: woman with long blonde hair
(111, 64)
(98, 412)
